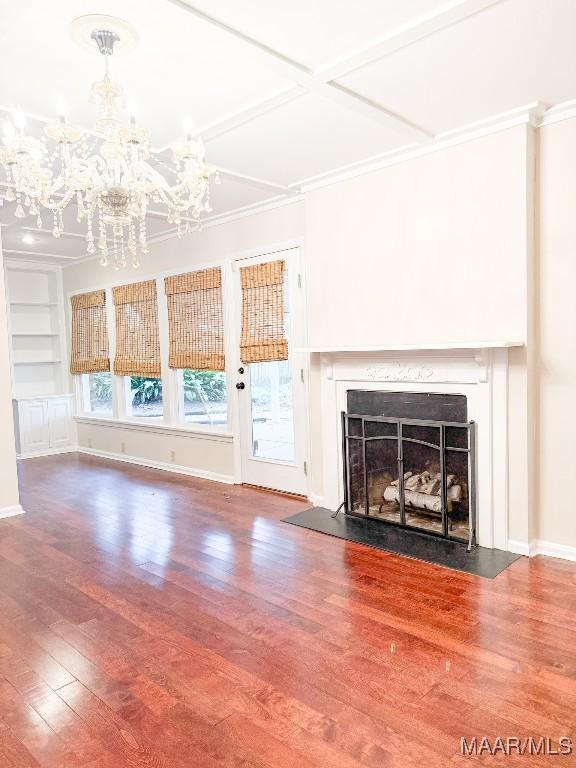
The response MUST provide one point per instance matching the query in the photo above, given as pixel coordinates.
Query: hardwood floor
(151, 619)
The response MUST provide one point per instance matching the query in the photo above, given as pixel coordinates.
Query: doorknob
(240, 385)
(240, 370)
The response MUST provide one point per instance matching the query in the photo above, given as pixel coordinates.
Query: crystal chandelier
(110, 174)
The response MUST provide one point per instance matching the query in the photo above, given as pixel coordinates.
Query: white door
(60, 421)
(34, 431)
(271, 397)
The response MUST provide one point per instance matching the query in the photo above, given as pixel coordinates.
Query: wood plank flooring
(151, 619)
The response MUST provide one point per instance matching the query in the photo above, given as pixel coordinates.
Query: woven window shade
(137, 339)
(89, 333)
(195, 320)
(263, 335)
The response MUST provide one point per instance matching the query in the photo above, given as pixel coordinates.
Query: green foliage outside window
(204, 385)
(198, 385)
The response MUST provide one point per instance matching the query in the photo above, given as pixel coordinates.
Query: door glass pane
(272, 411)
(271, 401)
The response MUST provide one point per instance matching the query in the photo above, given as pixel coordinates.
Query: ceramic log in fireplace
(409, 461)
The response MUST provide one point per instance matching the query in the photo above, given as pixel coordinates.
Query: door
(34, 431)
(271, 397)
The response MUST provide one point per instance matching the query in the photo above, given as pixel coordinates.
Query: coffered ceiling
(286, 93)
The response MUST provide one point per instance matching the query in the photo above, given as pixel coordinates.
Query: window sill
(203, 434)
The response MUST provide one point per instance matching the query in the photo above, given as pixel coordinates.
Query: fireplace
(409, 460)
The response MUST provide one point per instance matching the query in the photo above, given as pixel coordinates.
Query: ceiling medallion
(110, 173)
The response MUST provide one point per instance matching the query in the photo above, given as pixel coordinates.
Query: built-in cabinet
(43, 425)
(42, 404)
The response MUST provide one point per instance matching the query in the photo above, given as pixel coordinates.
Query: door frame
(299, 344)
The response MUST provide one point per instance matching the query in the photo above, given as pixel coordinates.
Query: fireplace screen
(414, 473)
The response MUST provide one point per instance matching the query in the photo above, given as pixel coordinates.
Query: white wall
(556, 311)
(429, 250)
(9, 498)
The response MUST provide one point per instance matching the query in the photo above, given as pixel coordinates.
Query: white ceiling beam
(443, 16)
(254, 181)
(246, 114)
(306, 78)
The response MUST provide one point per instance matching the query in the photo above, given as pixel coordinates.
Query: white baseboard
(176, 468)
(518, 547)
(550, 549)
(11, 511)
(316, 501)
(540, 547)
(47, 452)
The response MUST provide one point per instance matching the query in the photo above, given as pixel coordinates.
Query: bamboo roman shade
(89, 333)
(195, 320)
(263, 334)
(137, 338)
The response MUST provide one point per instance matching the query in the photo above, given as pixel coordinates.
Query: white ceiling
(284, 92)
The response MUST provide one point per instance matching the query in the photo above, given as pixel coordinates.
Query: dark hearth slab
(420, 546)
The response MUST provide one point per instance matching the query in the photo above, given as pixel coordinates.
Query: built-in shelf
(47, 335)
(36, 321)
(36, 362)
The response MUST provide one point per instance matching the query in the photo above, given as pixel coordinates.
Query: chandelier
(110, 174)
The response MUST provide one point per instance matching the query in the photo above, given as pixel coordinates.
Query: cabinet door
(59, 419)
(34, 430)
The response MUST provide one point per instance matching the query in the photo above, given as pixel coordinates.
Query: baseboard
(518, 547)
(11, 511)
(550, 549)
(176, 468)
(316, 501)
(540, 547)
(47, 452)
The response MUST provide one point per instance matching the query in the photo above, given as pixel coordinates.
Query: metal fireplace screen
(413, 473)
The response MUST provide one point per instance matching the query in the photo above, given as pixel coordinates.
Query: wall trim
(11, 511)
(161, 429)
(177, 469)
(544, 548)
(518, 547)
(47, 452)
(550, 549)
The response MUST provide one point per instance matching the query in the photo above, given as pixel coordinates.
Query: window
(205, 400)
(144, 398)
(97, 393)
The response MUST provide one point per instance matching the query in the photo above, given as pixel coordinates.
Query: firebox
(409, 460)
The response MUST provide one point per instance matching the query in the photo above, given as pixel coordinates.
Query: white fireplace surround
(480, 374)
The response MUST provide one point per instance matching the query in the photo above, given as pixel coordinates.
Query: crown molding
(38, 253)
(564, 111)
(32, 264)
(529, 114)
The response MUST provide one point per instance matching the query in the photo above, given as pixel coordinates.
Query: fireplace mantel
(455, 345)
(478, 370)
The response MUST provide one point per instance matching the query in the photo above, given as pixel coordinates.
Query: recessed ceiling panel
(504, 57)
(232, 194)
(305, 138)
(181, 67)
(315, 33)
